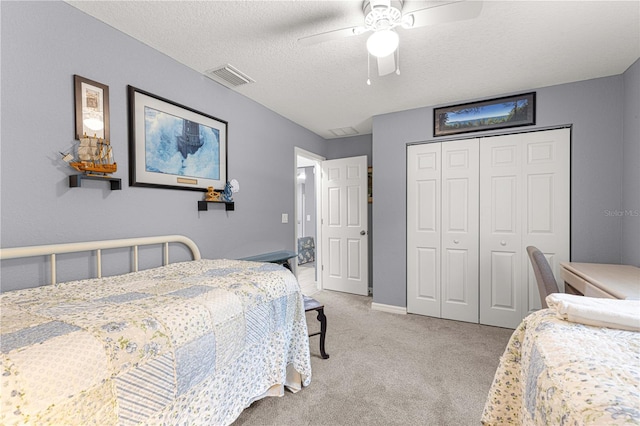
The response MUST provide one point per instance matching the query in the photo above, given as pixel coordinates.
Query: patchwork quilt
(555, 372)
(187, 343)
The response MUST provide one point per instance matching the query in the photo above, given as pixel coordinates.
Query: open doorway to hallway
(307, 220)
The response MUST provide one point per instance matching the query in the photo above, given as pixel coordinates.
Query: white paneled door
(424, 181)
(344, 225)
(442, 230)
(459, 264)
(524, 200)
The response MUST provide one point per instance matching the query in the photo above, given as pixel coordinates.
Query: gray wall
(631, 168)
(43, 45)
(353, 146)
(594, 108)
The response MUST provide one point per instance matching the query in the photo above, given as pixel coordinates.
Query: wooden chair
(311, 304)
(544, 275)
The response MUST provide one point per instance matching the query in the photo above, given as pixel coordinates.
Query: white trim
(317, 159)
(392, 309)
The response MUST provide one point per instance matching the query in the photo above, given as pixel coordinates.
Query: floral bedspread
(555, 372)
(188, 343)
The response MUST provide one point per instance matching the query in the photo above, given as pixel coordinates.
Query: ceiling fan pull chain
(368, 69)
(398, 61)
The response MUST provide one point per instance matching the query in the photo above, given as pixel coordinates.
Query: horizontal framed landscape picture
(173, 146)
(498, 113)
(92, 108)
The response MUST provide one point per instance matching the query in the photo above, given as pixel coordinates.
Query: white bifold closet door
(423, 229)
(473, 206)
(442, 230)
(524, 200)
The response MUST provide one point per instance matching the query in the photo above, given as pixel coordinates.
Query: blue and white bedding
(556, 372)
(188, 343)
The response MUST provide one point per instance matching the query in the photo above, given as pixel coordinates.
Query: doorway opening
(308, 170)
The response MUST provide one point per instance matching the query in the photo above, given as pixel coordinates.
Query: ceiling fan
(381, 17)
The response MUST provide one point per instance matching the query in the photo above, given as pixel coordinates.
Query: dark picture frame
(370, 183)
(497, 113)
(92, 108)
(173, 146)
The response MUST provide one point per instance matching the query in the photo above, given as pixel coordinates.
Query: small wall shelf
(203, 206)
(75, 181)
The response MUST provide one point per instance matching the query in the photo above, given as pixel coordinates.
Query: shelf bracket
(203, 206)
(75, 181)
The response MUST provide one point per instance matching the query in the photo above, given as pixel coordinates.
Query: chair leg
(323, 331)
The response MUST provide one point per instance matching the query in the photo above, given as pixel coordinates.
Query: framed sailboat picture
(174, 146)
(92, 108)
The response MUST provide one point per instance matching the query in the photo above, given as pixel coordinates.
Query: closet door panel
(423, 229)
(546, 225)
(500, 231)
(540, 203)
(504, 281)
(427, 274)
(460, 192)
(457, 289)
(525, 201)
(427, 195)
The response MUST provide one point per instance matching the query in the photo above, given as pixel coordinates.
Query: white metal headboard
(97, 246)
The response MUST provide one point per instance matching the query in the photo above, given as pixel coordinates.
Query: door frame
(316, 160)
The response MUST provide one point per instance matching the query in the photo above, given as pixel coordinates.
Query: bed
(561, 368)
(192, 342)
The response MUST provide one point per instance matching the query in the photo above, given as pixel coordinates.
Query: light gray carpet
(387, 369)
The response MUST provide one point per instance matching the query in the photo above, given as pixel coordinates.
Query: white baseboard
(392, 309)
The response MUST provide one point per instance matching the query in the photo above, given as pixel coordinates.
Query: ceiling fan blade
(442, 14)
(387, 64)
(331, 35)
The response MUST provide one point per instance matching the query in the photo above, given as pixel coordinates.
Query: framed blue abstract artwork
(174, 146)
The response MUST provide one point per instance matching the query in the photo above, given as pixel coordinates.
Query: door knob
(456, 241)
(503, 243)
(363, 232)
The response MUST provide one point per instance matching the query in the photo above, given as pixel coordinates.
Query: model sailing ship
(94, 157)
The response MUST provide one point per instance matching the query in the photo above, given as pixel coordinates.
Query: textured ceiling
(512, 46)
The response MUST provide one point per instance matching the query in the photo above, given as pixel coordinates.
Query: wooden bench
(311, 304)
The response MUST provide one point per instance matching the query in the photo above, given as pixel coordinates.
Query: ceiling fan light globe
(382, 43)
(407, 21)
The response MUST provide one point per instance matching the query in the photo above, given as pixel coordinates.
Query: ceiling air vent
(344, 131)
(229, 76)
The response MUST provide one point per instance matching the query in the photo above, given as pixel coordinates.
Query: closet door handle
(456, 241)
(503, 243)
